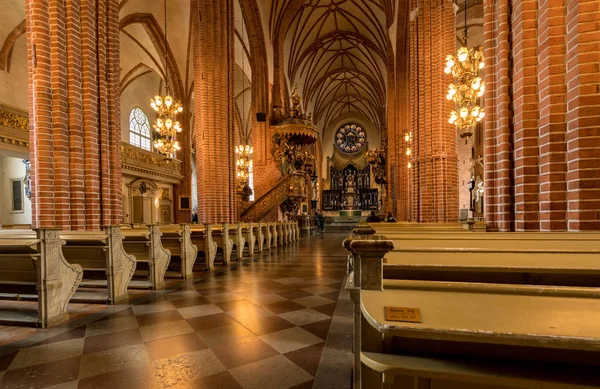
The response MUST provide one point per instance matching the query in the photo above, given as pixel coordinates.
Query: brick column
(552, 90)
(526, 113)
(583, 114)
(550, 111)
(213, 107)
(73, 60)
(435, 168)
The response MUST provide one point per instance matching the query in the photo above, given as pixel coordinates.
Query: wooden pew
(32, 263)
(280, 234)
(220, 234)
(369, 273)
(103, 258)
(248, 231)
(274, 235)
(201, 236)
(260, 237)
(268, 235)
(237, 236)
(177, 239)
(145, 243)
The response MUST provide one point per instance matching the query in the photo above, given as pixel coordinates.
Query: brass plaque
(410, 315)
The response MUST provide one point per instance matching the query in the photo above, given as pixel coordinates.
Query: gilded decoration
(137, 160)
(11, 118)
(166, 194)
(14, 127)
(165, 213)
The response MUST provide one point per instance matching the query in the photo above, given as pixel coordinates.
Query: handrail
(262, 206)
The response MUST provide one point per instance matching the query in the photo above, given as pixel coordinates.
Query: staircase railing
(273, 198)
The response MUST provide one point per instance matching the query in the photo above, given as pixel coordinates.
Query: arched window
(139, 129)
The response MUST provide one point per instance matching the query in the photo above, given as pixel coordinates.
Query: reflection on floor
(260, 325)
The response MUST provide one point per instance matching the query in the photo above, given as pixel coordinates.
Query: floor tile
(236, 305)
(307, 358)
(76, 333)
(222, 297)
(94, 344)
(223, 335)
(190, 302)
(217, 381)
(266, 298)
(66, 385)
(331, 295)
(6, 360)
(186, 294)
(289, 280)
(304, 385)
(265, 325)
(283, 306)
(312, 301)
(169, 347)
(320, 328)
(122, 313)
(165, 330)
(43, 375)
(108, 326)
(129, 357)
(328, 309)
(304, 316)
(183, 368)
(294, 294)
(321, 289)
(121, 379)
(158, 317)
(47, 353)
(144, 309)
(273, 373)
(211, 291)
(210, 321)
(243, 351)
(291, 339)
(199, 310)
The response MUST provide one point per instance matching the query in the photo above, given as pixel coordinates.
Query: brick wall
(73, 60)
(543, 123)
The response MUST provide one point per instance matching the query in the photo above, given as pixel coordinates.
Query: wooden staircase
(267, 202)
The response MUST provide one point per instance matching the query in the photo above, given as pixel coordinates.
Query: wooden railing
(273, 198)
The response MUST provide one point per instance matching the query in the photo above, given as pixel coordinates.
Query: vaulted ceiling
(335, 54)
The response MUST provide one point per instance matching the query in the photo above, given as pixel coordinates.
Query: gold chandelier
(165, 125)
(468, 87)
(243, 163)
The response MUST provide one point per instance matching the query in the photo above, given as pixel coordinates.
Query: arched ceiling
(335, 53)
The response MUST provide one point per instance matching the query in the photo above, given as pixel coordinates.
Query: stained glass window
(139, 129)
(350, 138)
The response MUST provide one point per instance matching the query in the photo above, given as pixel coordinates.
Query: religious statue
(479, 192)
(295, 108)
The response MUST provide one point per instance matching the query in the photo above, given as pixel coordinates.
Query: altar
(350, 190)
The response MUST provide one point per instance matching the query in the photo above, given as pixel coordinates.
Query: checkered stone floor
(261, 325)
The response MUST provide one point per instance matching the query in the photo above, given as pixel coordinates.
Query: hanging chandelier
(243, 163)
(467, 88)
(166, 125)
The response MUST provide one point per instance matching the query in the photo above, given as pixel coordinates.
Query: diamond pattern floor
(261, 325)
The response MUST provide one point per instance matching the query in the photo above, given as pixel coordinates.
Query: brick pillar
(526, 113)
(435, 171)
(73, 61)
(552, 90)
(213, 107)
(498, 121)
(549, 109)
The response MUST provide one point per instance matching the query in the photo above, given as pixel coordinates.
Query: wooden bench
(221, 237)
(104, 261)
(152, 259)
(201, 236)
(480, 340)
(280, 234)
(268, 233)
(248, 231)
(274, 234)
(177, 239)
(32, 264)
(260, 237)
(239, 241)
(470, 264)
